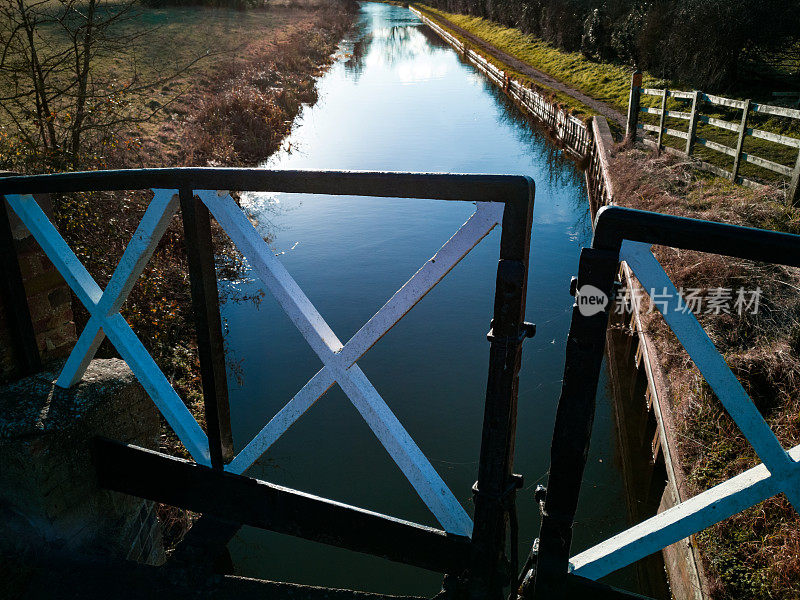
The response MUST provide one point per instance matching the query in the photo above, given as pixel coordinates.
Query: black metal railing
(231, 497)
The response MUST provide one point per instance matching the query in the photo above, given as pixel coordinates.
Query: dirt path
(534, 74)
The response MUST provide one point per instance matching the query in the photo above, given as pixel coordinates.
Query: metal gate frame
(627, 234)
(214, 485)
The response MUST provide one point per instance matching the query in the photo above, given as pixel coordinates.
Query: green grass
(577, 108)
(179, 45)
(179, 48)
(607, 82)
(174, 37)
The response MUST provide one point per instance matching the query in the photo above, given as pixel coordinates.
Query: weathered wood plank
(661, 121)
(692, 130)
(767, 164)
(676, 133)
(715, 146)
(778, 111)
(794, 186)
(774, 137)
(236, 498)
(718, 123)
(602, 132)
(737, 160)
(676, 114)
(720, 101)
(711, 168)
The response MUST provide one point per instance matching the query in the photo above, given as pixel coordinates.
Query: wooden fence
(567, 129)
(694, 117)
(598, 174)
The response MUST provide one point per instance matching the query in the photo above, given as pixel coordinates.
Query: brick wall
(49, 302)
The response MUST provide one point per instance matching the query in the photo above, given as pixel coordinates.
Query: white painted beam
(389, 431)
(114, 325)
(480, 223)
(709, 361)
(133, 261)
(681, 521)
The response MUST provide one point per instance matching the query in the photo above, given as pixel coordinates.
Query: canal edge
(634, 360)
(566, 130)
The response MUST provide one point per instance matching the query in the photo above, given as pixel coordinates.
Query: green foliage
(710, 44)
(610, 82)
(604, 81)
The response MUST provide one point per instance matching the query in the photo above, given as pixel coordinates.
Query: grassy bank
(755, 554)
(610, 83)
(606, 82)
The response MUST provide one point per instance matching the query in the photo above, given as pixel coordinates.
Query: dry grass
(755, 554)
(245, 119)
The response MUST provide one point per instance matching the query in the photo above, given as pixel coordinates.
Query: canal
(398, 99)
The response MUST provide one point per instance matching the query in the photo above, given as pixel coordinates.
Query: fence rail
(692, 139)
(625, 236)
(598, 173)
(568, 129)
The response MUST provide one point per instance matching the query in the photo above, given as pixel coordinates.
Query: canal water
(398, 99)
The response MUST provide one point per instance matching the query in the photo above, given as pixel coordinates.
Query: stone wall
(50, 502)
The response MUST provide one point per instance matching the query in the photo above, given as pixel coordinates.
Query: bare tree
(54, 91)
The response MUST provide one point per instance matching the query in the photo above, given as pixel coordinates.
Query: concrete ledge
(49, 496)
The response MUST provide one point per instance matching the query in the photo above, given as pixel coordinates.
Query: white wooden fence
(339, 359)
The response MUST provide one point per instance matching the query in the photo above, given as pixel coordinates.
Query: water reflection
(401, 100)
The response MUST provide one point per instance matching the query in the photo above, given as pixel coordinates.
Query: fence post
(794, 187)
(665, 93)
(496, 486)
(633, 106)
(14, 298)
(693, 123)
(737, 161)
(210, 344)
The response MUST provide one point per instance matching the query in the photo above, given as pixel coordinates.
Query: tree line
(710, 44)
